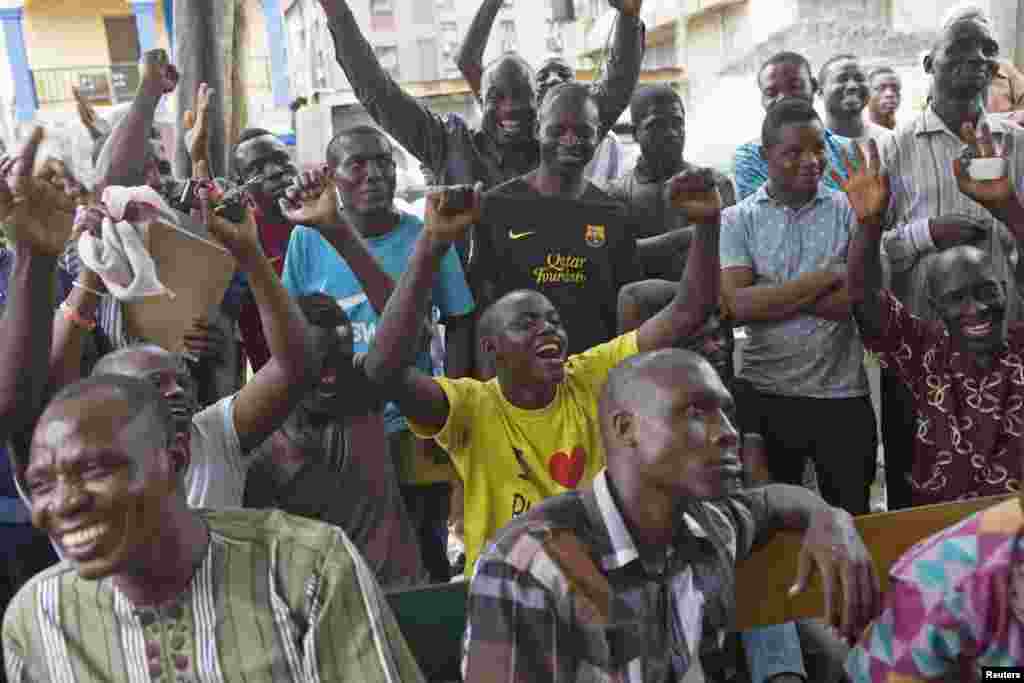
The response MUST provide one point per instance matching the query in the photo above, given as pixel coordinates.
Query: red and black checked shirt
(969, 420)
(563, 595)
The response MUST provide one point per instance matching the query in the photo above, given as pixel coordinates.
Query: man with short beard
(663, 236)
(555, 232)
(504, 146)
(612, 92)
(886, 90)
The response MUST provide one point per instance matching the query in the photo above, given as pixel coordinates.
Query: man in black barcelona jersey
(553, 231)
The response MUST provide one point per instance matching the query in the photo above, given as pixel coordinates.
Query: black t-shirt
(577, 252)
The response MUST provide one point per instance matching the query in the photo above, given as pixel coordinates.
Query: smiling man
(240, 595)
(612, 91)
(802, 384)
(557, 233)
(929, 213)
(965, 364)
(632, 578)
(531, 432)
(845, 93)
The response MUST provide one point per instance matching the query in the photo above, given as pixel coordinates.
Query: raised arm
(696, 298)
(471, 53)
(622, 71)
(867, 189)
(38, 229)
(391, 360)
(311, 201)
(263, 404)
(123, 158)
(418, 129)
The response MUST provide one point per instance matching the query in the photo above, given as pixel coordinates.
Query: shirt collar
(931, 123)
(623, 550)
(762, 196)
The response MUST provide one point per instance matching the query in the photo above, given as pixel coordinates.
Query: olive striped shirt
(277, 598)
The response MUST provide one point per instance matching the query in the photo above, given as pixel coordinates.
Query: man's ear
(624, 428)
(488, 346)
(928, 63)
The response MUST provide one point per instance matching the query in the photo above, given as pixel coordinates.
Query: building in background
(47, 47)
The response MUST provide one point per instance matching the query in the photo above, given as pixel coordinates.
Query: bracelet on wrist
(72, 315)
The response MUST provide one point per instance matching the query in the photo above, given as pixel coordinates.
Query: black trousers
(839, 435)
(898, 431)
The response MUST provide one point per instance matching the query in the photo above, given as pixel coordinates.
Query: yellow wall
(70, 33)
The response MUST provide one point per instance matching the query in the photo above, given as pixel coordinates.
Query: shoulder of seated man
(518, 542)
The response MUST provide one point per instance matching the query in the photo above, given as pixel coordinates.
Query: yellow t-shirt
(509, 458)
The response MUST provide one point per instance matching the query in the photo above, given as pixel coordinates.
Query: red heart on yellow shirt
(567, 469)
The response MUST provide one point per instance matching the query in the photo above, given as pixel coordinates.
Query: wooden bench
(433, 618)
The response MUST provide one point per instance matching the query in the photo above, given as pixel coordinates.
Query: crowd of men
(542, 365)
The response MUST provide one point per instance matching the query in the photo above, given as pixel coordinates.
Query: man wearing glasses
(928, 213)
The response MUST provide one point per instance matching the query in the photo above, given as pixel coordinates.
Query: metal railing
(114, 83)
(108, 83)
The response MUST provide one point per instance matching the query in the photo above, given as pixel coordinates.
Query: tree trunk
(210, 47)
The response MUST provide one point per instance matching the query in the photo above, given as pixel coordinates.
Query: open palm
(866, 187)
(32, 209)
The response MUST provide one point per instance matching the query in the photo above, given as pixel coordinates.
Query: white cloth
(119, 255)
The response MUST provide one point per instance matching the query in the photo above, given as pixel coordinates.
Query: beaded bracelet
(75, 318)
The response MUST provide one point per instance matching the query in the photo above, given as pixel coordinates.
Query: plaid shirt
(563, 594)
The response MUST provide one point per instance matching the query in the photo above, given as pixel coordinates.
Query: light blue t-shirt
(313, 266)
(803, 355)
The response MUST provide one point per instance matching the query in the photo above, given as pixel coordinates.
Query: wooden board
(763, 579)
(198, 274)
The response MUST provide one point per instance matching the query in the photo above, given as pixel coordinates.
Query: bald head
(125, 361)
(633, 385)
(946, 263)
(120, 398)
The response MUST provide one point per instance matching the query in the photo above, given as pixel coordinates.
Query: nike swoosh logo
(518, 235)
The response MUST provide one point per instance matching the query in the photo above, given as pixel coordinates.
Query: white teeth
(548, 347)
(83, 536)
(978, 330)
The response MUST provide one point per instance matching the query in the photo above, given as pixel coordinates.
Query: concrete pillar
(25, 103)
(145, 21)
(277, 44)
